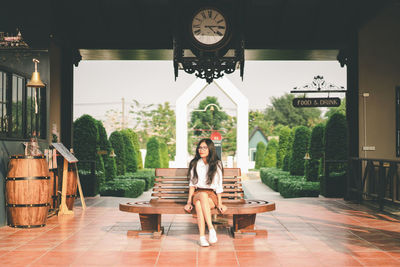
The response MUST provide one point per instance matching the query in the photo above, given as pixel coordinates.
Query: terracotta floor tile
(177, 258)
(20, 257)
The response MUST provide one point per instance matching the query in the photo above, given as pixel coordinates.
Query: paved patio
(301, 232)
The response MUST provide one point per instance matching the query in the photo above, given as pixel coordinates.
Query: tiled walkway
(301, 232)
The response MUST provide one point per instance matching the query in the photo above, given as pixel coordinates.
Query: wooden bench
(170, 195)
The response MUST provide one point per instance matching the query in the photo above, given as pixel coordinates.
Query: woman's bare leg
(200, 218)
(205, 205)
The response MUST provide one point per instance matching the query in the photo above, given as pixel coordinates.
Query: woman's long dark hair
(212, 159)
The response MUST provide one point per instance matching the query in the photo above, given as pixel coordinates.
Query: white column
(182, 103)
(242, 131)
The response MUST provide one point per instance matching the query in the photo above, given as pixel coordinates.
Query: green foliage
(334, 185)
(260, 152)
(283, 112)
(153, 154)
(288, 185)
(123, 186)
(135, 141)
(89, 182)
(336, 141)
(159, 121)
(130, 154)
(110, 168)
(341, 109)
(209, 119)
(147, 175)
(229, 138)
(288, 154)
(85, 136)
(316, 148)
(164, 159)
(257, 119)
(299, 149)
(117, 143)
(270, 153)
(284, 146)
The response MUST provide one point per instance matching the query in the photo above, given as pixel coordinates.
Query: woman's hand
(188, 207)
(222, 208)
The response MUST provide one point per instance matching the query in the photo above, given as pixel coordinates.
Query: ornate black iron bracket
(209, 66)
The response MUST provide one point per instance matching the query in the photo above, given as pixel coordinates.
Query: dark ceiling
(150, 24)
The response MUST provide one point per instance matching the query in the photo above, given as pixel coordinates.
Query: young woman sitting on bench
(205, 188)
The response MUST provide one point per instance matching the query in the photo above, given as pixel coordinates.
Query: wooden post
(63, 207)
(80, 190)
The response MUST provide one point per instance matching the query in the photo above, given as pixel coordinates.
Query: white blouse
(202, 169)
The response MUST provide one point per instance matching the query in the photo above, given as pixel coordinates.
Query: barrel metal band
(28, 178)
(27, 157)
(27, 226)
(27, 205)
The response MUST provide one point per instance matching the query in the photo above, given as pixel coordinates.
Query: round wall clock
(209, 28)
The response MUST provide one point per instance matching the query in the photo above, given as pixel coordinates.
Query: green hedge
(146, 175)
(299, 149)
(298, 188)
(152, 159)
(260, 152)
(335, 185)
(122, 186)
(90, 183)
(288, 185)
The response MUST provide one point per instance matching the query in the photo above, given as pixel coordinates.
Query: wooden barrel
(72, 185)
(53, 190)
(27, 191)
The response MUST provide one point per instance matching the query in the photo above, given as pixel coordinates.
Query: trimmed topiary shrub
(153, 154)
(260, 152)
(130, 154)
(283, 147)
(117, 143)
(164, 155)
(270, 153)
(299, 149)
(110, 168)
(86, 143)
(85, 140)
(135, 141)
(288, 153)
(316, 153)
(336, 145)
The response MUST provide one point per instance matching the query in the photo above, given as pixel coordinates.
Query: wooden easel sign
(68, 158)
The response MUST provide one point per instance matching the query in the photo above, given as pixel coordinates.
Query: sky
(100, 85)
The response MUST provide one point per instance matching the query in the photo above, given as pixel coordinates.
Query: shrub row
(123, 187)
(146, 175)
(288, 185)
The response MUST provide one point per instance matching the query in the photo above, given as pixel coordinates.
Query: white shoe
(203, 241)
(212, 236)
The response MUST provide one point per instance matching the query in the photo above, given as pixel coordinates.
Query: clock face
(208, 26)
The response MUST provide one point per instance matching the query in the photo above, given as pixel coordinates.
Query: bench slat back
(172, 185)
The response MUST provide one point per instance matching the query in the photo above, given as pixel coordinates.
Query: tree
(229, 136)
(316, 148)
(299, 149)
(164, 155)
(159, 122)
(258, 119)
(135, 141)
(341, 109)
(283, 147)
(283, 112)
(130, 154)
(211, 119)
(117, 143)
(110, 168)
(153, 154)
(270, 153)
(260, 152)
